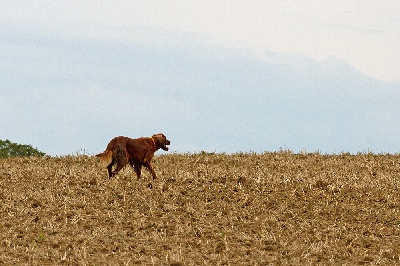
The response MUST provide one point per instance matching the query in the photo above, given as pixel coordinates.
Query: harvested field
(204, 209)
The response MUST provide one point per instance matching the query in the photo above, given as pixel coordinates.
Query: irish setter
(137, 152)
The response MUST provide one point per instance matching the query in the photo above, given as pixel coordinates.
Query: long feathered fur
(106, 156)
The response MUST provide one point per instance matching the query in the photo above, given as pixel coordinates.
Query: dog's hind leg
(117, 169)
(109, 168)
(119, 157)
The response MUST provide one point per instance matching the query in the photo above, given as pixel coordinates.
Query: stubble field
(203, 209)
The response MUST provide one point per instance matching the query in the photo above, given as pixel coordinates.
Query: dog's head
(161, 141)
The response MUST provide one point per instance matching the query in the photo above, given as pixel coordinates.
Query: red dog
(136, 152)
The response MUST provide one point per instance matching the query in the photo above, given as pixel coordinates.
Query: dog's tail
(105, 156)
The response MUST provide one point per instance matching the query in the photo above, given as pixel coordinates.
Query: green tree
(9, 149)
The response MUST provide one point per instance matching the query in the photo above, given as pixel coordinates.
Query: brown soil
(204, 209)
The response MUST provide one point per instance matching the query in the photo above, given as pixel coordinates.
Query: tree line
(10, 149)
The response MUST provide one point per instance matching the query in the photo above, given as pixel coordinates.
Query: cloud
(362, 34)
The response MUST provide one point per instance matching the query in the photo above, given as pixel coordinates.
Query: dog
(137, 152)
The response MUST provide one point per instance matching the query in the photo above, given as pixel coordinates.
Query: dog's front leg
(138, 169)
(148, 166)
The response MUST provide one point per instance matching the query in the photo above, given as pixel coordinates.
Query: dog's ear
(161, 141)
(157, 139)
(159, 136)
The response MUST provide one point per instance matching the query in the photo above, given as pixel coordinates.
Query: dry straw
(204, 209)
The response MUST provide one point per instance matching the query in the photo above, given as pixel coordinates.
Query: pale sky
(315, 75)
(365, 34)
